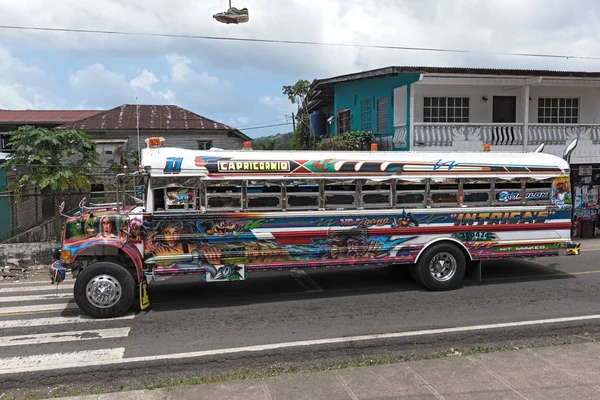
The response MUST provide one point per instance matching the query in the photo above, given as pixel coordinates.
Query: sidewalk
(557, 372)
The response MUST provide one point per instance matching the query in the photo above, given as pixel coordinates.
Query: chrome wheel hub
(442, 267)
(103, 291)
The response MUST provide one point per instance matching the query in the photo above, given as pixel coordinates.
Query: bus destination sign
(253, 166)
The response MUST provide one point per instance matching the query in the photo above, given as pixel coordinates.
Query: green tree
(52, 160)
(267, 144)
(282, 141)
(301, 139)
(297, 92)
(297, 95)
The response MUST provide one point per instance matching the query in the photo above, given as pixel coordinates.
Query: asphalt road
(292, 319)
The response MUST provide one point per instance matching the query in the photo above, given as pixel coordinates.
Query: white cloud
(15, 96)
(206, 91)
(546, 26)
(21, 85)
(144, 80)
(97, 85)
(279, 103)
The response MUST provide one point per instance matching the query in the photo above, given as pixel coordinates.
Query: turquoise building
(364, 102)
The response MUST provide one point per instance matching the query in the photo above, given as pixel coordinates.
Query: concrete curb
(550, 373)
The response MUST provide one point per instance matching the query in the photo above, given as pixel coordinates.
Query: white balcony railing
(399, 139)
(456, 135)
(560, 134)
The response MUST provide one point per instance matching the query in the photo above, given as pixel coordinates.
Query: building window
(558, 111)
(5, 141)
(204, 144)
(343, 121)
(446, 109)
(382, 114)
(366, 115)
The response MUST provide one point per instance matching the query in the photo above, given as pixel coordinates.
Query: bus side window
(444, 193)
(223, 195)
(376, 194)
(263, 195)
(340, 194)
(508, 192)
(538, 191)
(409, 194)
(159, 199)
(180, 198)
(476, 192)
(303, 195)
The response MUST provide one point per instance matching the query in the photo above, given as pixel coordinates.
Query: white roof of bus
(156, 158)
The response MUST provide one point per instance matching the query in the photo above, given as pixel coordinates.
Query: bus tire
(104, 290)
(441, 267)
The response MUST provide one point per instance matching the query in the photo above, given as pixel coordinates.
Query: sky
(239, 83)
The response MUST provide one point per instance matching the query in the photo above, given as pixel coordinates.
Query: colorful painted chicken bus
(224, 214)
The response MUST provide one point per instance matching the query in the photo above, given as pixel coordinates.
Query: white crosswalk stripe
(40, 338)
(78, 319)
(45, 288)
(44, 362)
(22, 325)
(38, 307)
(9, 299)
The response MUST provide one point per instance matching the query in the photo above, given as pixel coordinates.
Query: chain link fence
(29, 216)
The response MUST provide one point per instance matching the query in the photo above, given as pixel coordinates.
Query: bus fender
(88, 247)
(445, 239)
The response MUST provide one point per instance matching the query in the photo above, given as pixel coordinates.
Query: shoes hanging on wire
(232, 15)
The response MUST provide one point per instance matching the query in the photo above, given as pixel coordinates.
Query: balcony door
(504, 111)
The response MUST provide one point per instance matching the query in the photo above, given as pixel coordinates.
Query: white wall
(589, 101)
(481, 111)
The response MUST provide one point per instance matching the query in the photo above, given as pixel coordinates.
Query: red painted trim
(305, 237)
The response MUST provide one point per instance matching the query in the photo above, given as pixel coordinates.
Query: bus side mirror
(540, 148)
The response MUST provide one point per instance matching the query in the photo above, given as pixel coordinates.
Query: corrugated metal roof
(44, 116)
(392, 70)
(151, 117)
(321, 90)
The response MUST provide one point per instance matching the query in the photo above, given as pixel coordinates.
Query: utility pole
(294, 122)
(137, 128)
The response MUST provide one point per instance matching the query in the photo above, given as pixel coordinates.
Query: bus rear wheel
(104, 290)
(441, 267)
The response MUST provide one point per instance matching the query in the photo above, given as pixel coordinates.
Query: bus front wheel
(104, 290)
(441, 267)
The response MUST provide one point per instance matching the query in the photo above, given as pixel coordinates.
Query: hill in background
(280, 141)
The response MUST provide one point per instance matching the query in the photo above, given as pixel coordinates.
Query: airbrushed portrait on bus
(222, 215)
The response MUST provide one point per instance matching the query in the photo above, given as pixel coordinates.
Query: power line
(265, 126)
(300, 42)
(264, 122)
